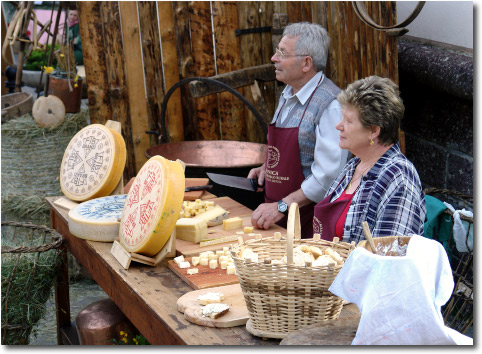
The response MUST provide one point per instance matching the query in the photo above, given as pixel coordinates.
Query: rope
(395, 30)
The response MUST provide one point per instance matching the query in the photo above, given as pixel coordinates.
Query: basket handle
(293, 229)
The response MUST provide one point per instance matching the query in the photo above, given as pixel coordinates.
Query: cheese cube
(239, 232)
(222, 259)
(179, 259)
(191, 229)
(232, 223)
(184, 264)
(192, 271)
(223, 264)
(195, 261)
(248, 229)
(213, 257)
(203, 261)
(230, 269)
(219, 253)
(213, 264)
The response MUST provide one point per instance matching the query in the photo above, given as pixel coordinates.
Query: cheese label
(101, 209)
(92, 163)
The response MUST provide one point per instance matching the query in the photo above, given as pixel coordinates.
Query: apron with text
(284, 174)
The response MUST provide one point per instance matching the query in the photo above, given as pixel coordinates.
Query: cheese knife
(250, 184)
(205, 187)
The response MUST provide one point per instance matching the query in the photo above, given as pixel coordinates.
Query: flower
(122, 333)
(124, 340)
(48, 69)
(135, 341)
(62, 55)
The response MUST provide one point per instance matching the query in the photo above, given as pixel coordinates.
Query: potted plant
(64, 82)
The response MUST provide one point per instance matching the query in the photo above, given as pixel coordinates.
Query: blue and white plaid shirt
(389, 198)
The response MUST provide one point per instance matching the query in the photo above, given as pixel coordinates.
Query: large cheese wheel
(152, 207)
(93, 163)
(97, 219)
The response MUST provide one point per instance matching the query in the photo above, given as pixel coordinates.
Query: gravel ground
(82, 293)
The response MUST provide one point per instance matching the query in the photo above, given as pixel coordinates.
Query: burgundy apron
(284, 174)
(326, 214)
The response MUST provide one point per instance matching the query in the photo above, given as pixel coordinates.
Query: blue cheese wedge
(215, 310)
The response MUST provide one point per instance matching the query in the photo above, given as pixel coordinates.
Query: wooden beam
(90, 26)
(234, 79)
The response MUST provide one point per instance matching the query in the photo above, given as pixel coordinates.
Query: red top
(340, 224)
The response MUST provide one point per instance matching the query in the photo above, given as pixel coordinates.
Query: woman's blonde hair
(378, 103)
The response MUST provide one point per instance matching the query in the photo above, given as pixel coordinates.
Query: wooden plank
(116, 78)
(151, 50)
(206, 278)
(135, 81)
(234, 79)
(91, 34)
(204, 66)
(173, 114)
(280, 21)
(228, 58)
(185, 61)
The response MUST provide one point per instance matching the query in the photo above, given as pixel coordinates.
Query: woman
(74, 36)
(379, 185)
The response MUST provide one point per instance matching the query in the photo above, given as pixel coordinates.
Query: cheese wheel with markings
(93, 163)
(97, 219)
(152, 206)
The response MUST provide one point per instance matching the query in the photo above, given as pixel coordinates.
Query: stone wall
(436, 85)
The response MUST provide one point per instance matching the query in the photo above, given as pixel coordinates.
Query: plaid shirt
(389, 198)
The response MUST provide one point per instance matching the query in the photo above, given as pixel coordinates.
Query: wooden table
(146, 295)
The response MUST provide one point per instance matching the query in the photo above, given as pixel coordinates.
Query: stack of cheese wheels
(97, 219)
(152, 207)
(93, 163)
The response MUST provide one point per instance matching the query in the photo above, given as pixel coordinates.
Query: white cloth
(400, 297)
(463, 242)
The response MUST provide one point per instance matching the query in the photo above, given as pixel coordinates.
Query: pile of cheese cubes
(213, 259)
(193, 208)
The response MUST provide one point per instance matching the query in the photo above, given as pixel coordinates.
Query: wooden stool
(100, 322)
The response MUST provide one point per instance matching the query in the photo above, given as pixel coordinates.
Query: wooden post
(93, 52)
(171, 71)
(203, 66)
(280, 21)
(135, 81)
(185, 61)
(228, 58)
(116, 78)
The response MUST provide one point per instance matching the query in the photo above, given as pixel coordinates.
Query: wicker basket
(282, 298)
(31, 255)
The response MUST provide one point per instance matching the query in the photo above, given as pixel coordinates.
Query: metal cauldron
(234, 158)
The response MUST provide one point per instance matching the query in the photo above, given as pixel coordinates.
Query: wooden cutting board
(191, 182)
(206, 278)
(233, 297)
(189, 249)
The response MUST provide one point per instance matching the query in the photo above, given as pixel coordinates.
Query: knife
(199, 188)
(250, 184)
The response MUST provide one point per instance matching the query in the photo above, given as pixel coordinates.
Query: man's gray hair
(378, 103)
(313, 41)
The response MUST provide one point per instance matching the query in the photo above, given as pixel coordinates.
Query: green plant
(36, 58)
(130, 339)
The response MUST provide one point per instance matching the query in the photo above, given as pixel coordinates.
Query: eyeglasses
(283, 55)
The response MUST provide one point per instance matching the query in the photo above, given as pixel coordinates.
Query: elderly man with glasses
(303, 125)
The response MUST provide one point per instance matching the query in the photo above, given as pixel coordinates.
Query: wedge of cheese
(152, 206)
(214, 216)
(93, 163)
(191, 229)
(97, 219)
(232, 223)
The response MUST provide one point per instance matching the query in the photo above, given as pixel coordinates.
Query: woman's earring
(371, 142)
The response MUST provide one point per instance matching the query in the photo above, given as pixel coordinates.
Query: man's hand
(259, 173)
(266, 214)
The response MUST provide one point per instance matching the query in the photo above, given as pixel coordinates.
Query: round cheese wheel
(152, 207)
(93, 163)
(97, 219)
(48, 111)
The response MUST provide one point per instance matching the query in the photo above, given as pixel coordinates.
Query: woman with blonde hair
(379, 185)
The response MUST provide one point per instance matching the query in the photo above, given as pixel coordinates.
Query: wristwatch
(283, 207)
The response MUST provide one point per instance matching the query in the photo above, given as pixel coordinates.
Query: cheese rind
(93, 163)
(97, 219)
(152, 207)
(232, 223)
(191, 229)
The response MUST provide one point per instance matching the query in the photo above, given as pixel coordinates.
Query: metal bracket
(239, 32)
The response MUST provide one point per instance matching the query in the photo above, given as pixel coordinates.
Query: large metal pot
(235, 158)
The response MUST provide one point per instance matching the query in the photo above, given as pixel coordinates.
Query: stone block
(460, 173)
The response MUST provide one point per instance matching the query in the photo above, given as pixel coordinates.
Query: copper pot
(60, 87)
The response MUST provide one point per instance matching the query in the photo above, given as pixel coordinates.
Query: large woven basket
(282, 298)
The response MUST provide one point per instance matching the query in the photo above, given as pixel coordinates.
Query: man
(303, 125)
